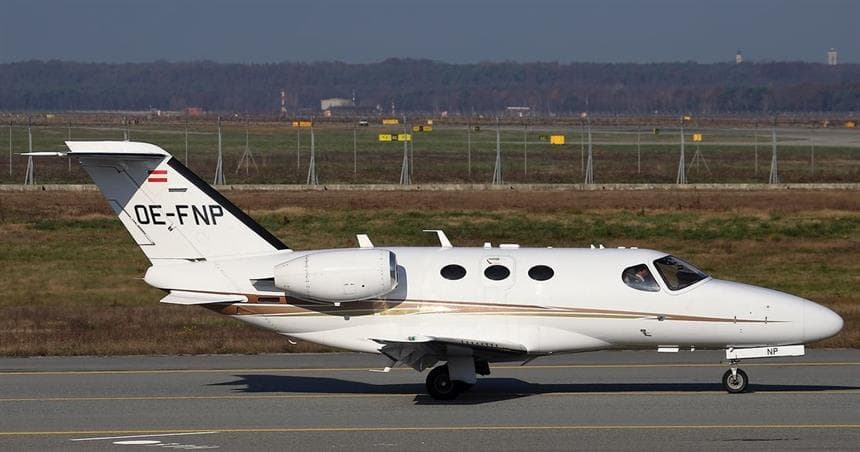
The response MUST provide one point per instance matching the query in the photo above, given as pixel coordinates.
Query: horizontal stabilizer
(44, 154)
(115, 148)
(193, 298)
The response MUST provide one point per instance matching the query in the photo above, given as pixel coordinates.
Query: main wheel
(737, 383)
(439, 384)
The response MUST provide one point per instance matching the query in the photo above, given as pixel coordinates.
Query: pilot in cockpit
(639, 277)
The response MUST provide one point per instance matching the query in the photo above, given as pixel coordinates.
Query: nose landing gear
(735, 380)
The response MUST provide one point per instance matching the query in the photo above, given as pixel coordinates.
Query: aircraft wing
(422, 352)
(193, 298)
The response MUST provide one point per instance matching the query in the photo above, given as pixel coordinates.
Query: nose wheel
(735, 380)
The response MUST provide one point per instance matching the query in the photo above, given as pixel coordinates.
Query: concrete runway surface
(602, 400)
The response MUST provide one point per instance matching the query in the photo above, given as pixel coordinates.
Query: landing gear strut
(735, 380)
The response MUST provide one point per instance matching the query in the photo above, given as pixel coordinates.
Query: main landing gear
(735, 380)
(447, 381)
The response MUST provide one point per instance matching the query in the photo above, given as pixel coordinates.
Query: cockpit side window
(678, 274)
(640, 278)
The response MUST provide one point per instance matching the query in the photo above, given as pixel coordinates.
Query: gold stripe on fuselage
(427, 307)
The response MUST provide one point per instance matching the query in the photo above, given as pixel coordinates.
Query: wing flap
(422, 352)
(194, 298)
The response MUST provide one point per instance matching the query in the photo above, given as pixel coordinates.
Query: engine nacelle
(339, 275)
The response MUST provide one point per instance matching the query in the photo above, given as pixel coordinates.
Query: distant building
(738, 57)
(518, 111)
(832, 57)
(194, 111)
(335, 102)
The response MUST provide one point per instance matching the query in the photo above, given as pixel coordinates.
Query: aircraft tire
(735, 384)
(440, 386)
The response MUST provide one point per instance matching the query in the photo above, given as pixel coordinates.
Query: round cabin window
(541, 273)
(453, 272)
(497, 272)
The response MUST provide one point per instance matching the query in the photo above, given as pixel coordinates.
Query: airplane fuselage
(583, 305)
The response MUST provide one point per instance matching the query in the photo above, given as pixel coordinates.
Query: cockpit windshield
(678, 274)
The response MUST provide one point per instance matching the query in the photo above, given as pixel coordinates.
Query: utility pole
(10, 148)
(186, 141)
(298, 149)
(589, 167)
(69, 159)
(682, 171)
(468, 145)
(582, 142)
(774, 176)
(354, 152)
(313, 178)
(638, 150)
(812, 151)
(219, 166)
(525, 150)
(405, 175)
(497, 171)
(29, 175)
(247, 156)
(755, 148)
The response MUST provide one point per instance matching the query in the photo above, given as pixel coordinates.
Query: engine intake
(338, 275)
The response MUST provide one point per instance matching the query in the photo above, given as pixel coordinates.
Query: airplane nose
(820, 322)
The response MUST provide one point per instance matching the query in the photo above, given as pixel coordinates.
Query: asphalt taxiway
(604, 400)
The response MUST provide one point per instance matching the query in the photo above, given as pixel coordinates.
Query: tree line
(432, 86)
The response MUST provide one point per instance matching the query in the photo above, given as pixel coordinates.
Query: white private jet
(419, 306)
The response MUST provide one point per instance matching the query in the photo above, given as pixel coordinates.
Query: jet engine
(339, 275)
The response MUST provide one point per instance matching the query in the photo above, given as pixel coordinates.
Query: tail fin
(168, 210)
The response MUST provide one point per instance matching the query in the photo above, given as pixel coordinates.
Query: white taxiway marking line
(143, 436)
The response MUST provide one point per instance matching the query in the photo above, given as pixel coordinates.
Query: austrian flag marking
(158, 175)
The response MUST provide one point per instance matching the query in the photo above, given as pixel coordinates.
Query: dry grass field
(71, 277)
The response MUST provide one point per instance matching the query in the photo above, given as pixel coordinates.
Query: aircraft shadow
(486, 390)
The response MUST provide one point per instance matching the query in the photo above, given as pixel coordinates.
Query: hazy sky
(446, 30)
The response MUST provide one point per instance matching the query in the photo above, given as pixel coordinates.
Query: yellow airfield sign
(422, 128)
(556, 139)
(390, 121)
(697, 137)
(395, 137)
(303, 124)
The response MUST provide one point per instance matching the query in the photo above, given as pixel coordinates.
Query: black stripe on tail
(224, 202)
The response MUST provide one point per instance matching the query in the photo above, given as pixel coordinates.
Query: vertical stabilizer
(168, 210)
